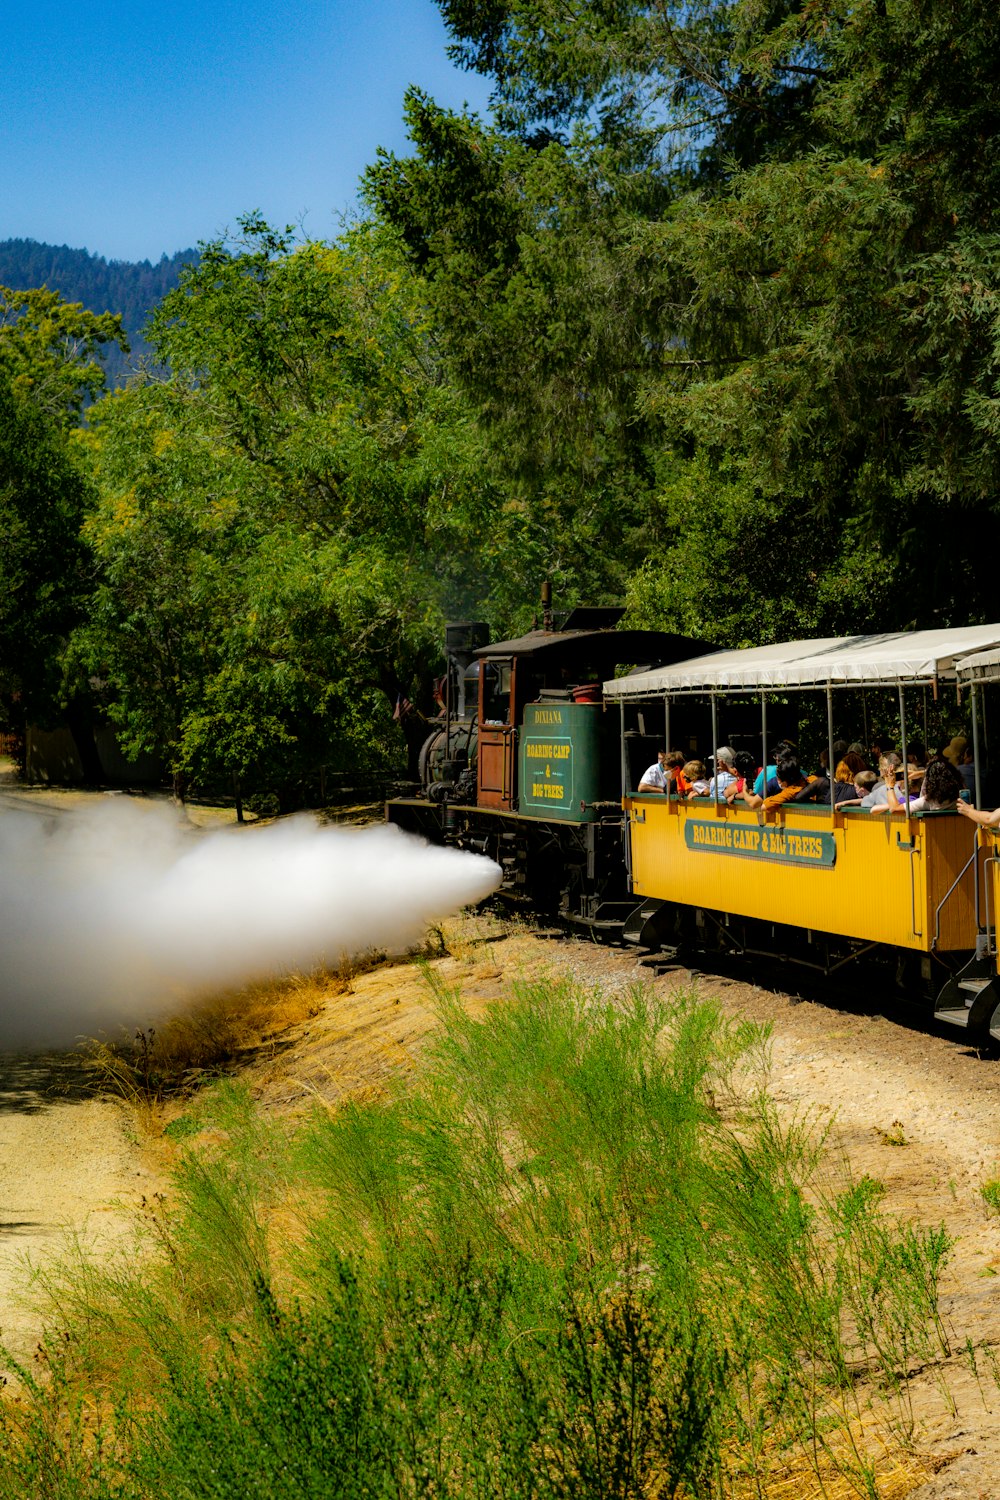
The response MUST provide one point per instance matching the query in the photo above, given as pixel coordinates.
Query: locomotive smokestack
(547, 604)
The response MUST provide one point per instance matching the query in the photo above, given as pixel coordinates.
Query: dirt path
(67, 1167)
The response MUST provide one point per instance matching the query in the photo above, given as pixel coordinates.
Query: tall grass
(579, 1256)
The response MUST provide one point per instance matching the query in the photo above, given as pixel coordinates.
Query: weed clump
(578, 1255)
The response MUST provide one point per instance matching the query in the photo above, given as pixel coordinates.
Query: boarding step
(648, 925)
(971, 998)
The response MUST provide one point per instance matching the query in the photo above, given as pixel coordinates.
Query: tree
(49, 350)
(781, 270)
(282, 519)
(44, 572)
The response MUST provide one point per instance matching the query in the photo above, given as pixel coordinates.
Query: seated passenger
(790, 781)
(864, 781)
(878, 795)
(697, 780)
(848, 767)
(839, 751)
(817, 790)
(655, 779)
(725, 772)
(675, 763)
(943, 788)
(745, 766)
(955, 749)
(766, 783)
(967, 770)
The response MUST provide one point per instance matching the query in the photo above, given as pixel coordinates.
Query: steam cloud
(110, 916)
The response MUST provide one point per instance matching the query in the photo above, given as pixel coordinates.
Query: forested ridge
(129, 288)
(702, 319)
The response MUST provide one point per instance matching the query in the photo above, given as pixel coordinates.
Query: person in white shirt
(655, 779)
(725, 772)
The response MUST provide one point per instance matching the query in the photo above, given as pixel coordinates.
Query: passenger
(745, 767)
(695, 776)
(967, 770)
(790, 781)
(943, 787)
(854, 795)
(979, 815)
(839, 751)
(864, 783)
(878, 796)
(858, 749)
(848, 767)
(675, 773)
(725, 772)
(955, 749)
(783, 747)
(655, 779)
(908, 788)
(817, 789)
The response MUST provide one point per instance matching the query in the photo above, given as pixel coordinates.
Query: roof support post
(621, 709)
(906, 779)
(666, 722)
(715, 749)
(763, 740)
(829, 744)
(975, 743)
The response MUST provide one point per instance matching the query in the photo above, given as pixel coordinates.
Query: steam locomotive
(525, 764)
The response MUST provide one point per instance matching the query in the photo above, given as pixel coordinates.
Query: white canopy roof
(983, 667)
(868, 660)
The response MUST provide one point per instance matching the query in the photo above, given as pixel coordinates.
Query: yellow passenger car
(821, 884)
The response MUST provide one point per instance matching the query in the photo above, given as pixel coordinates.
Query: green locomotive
(527, 764)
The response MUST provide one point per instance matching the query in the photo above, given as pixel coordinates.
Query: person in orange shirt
(674, 766)
(790, 780)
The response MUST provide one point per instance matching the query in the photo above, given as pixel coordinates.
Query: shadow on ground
(31, 1083)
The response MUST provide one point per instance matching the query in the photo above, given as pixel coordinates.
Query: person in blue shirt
(783, 747)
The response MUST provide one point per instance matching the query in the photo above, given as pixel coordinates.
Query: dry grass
(233, 1029)
(210, 1036)
(894, 1469)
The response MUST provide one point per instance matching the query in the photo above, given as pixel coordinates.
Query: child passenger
(746, 769)
(695, 775)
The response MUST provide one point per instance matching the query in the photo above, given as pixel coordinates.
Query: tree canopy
(703, 317)
(755, 237)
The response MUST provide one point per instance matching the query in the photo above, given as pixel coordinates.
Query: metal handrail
(991, 943)
(940, 906)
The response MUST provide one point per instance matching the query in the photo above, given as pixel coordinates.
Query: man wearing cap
(725, 773)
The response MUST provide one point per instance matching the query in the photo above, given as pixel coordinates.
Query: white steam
(109, 916)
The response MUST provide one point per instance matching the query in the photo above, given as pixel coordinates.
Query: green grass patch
(579, 1256)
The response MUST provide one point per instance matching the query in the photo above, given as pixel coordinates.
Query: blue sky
(134, 128)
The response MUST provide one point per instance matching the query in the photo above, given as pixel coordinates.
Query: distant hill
(131, 288)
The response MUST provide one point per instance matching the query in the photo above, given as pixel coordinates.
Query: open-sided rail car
(823, 885)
